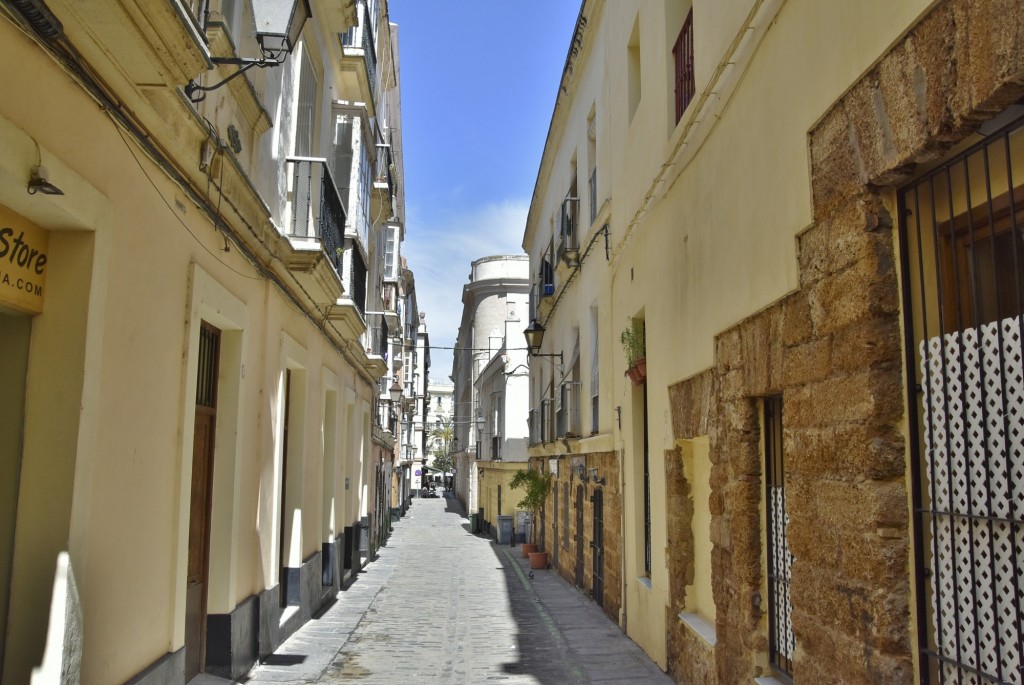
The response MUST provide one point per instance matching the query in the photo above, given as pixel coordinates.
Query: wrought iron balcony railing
(547, 419)
(361, 37)
(375, 339)
(568, 415)
(316, 208)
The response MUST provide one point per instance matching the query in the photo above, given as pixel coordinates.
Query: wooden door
(200, 502)
(579, 535)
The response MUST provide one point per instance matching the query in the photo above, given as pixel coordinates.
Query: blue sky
(478, 80)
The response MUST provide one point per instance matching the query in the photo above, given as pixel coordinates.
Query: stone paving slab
(441, 606)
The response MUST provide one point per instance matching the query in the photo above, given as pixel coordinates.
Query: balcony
(390, 304)
(375, 339)
(359, 63)
(568, 232)
(547, 419)
(315, 226)
(382, 202)
(567, 418)
(347, 313)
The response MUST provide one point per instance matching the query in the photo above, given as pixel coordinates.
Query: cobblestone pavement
(443, 606)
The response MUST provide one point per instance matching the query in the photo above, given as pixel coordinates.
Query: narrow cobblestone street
(441, 605)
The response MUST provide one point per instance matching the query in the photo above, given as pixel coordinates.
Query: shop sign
(23, 249)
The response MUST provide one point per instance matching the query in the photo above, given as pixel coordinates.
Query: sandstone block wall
(607, 465)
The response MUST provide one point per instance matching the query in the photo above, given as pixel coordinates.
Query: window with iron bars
(568, 226)
(781, 641)
(682, 54)
(962, 248)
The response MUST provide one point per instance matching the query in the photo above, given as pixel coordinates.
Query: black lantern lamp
(535, 337)
(278, 26)
(395, 391)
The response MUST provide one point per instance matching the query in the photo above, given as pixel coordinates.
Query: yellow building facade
(190, 384)
(732, 183)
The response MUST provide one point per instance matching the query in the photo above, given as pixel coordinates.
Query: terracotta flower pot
(529, 547)
(638, 372)
(538, 560)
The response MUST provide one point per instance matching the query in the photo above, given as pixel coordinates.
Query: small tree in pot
(536, 486)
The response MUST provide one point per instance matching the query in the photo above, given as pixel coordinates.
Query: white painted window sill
(644, 581)
(769, 680)
(697, 624)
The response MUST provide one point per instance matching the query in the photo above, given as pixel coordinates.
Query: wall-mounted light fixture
(581, 470)
(40, 182)
(278, 25)
(395, 391)
(535, 337)
(595, 478)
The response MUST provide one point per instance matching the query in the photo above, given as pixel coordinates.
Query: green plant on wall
(536, 486)
(634, 341)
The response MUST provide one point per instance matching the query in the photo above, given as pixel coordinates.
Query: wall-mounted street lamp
(395, 391)
(278, 26)
(534, 337)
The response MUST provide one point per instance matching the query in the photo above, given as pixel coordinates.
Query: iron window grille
(592, 183)
(682, 54)
(547, 420)
(963, 288)
(568, 227)
(781, 640)
(317, 210)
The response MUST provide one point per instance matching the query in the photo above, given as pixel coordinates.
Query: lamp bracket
(197, 93)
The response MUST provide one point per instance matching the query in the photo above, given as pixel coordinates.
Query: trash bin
(523, 526)
(504, 530)
(474, 524)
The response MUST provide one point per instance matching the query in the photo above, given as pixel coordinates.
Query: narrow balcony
(390, 304)
(315, 228)
(375, 339)
(359, 63)
(547, 419)
(567, 418)
(382, 202)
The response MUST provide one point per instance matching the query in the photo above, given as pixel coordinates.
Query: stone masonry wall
(689, 658)
(607, 465)
(833, 351)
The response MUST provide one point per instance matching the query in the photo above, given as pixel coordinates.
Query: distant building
(491, 384)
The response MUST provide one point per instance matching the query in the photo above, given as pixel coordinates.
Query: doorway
(201, 499)
(14, 341)
(597, 544)
(579, 536)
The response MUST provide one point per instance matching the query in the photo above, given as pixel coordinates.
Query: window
(963, 260)
(592, 162)
(781, 642)
(391, 252)
(633, 68)
(682, 55)
(305, 113)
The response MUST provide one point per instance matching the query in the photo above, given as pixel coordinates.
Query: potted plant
(634, 343)
(535, 486)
